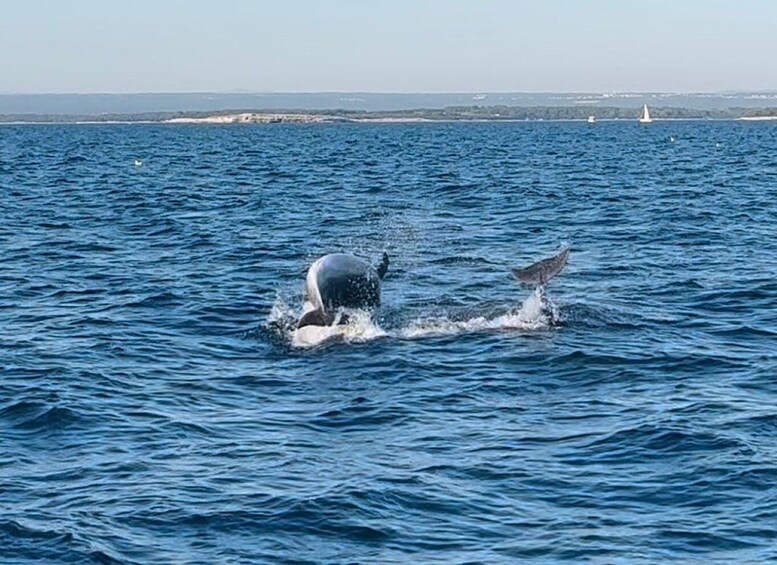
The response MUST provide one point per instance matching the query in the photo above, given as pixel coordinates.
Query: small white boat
(591, 119)
(645, 117)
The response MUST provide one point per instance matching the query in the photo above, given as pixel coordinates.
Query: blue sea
(156, 406)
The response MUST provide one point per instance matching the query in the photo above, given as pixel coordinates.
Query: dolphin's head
(315, 317)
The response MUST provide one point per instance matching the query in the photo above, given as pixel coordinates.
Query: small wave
(460, 260)
(358, 416)
(73, 159)
(745, 331)
(28, 543)
(31, 415)
(634, 444)
(155, 300)
(16, 529)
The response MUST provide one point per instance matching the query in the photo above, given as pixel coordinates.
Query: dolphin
(339, 281)
(540, 273)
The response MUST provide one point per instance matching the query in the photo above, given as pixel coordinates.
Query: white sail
(645, 118)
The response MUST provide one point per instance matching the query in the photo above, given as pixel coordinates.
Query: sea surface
(157, 406)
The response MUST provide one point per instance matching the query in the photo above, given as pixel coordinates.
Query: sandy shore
(758, 118)
(253, 118)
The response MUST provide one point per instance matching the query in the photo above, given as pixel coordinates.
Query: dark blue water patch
(155, 409)
(27, 544)
(39, 416)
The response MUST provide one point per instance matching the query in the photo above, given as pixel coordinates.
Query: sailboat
(645, 117)
(591, 119)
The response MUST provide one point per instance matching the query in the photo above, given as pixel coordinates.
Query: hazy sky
(387, 46)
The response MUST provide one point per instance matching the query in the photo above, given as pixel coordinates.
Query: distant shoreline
(379, 121)
(464, 114)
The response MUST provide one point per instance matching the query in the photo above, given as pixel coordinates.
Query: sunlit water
(157, 404)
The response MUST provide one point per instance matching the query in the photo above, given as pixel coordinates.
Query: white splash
(536, 312)
(359, 327)
(281, 312)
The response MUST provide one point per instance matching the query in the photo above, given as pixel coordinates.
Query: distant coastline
(449, 114)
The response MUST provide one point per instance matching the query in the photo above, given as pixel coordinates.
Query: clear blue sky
(387, 46)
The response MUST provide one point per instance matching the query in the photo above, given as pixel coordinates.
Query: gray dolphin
(341, 281)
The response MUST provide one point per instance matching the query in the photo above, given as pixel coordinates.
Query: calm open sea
(156, 408)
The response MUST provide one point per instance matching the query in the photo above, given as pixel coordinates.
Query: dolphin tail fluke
(540, 273)
(384, 265)
(315, 317)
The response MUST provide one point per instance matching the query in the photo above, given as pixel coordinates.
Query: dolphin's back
(345, 281)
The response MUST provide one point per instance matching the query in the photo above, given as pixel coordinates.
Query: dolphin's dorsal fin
(384, 265)
(540, 273)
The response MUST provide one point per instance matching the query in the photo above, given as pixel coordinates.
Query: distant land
(358, 107)
(448, 114)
